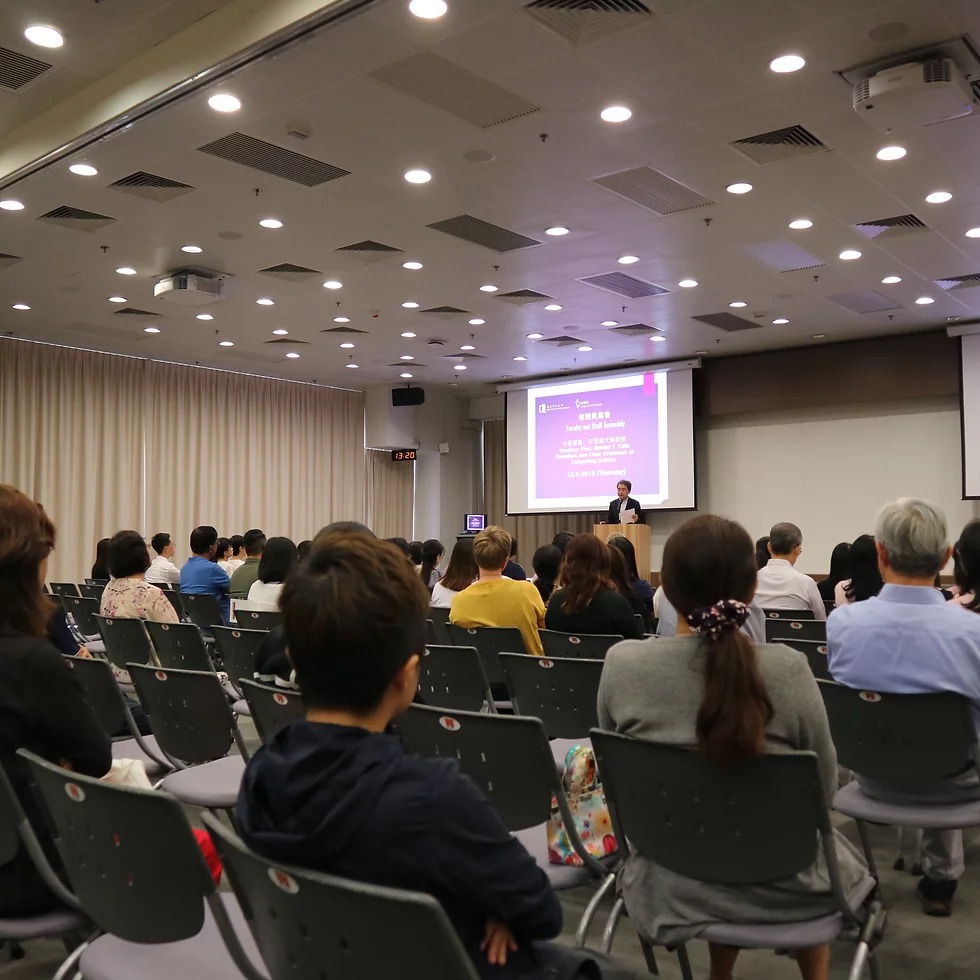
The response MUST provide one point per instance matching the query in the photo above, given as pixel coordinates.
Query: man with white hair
(907, 640)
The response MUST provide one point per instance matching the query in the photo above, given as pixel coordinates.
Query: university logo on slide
(450, 724)
(283, 881)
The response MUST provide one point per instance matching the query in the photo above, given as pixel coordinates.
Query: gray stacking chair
(256, 619)
(901, 740)
(64, 588)
(308, 924)
(453, 677)
(778, 630)
(793, 614)
(202, 610)
(587, 646)
(271, 708)
(756, 821)
(173, 597)
(439, 619)
(126, 641)
(815, 652)
(138, 872)
(179, 645)
(82, 611)
(489, 641)
(239, 650)
(92, 591)
(194, 727)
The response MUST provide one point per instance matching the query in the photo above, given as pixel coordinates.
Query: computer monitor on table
(474, 523)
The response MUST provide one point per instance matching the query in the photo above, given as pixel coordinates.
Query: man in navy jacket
(623, 502)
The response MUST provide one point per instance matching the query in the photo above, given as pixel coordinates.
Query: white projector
(916, 94)
(188, 289)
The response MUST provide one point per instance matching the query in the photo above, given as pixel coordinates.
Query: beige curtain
(531, 532)
(390, 495)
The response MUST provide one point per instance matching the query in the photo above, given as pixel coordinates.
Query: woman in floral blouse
(128, 595)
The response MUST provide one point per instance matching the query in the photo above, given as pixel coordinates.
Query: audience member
(966, 567)
(129, 595)
(42, 705)
(840, 569)
(336, 793)
(640, 586)
(546, 562)
(432, 553)
(162, 570)
(588, 601)
(200, 575)
(100, 570)
(619, 578)
(512, 569)
(415, 553)
(237, 553)
(460, 574)
(780, 585)
(401, 544)
(245, 577)
(711, 689)
(495, 600)
(303, 549)
(348, 527)
(865, 580)
(277, 564)
(561, 539)
(762, 552)
(222, 552)
(907, 640)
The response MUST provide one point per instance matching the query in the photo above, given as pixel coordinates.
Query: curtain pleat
(390, 495)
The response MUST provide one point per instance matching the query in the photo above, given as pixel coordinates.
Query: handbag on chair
(587, 803)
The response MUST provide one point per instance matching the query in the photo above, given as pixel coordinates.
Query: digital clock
(404, 454)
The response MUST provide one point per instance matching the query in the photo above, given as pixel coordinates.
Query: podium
(638, 534)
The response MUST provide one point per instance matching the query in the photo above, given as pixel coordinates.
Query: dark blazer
(612, 517)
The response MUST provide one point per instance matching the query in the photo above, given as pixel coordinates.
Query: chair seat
(787, 935)
(46, 925)
(241, 707)
(204, 957)
(129, 748)
(853, 802)
(213, 784)
(561, 876)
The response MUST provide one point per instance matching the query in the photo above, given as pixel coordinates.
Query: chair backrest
(778, 630)
(439, 617)
(815, 652)
(489, 641)
(238, 649)
(11, 815)
(589, 647)
(795, 614)
(173, 597)
(130, 855)
(97, 581)
(506, 756)
(83, 611)
(202, 610)
(308, 924)
(64, 588)
(900, 738)
(746, 823)
(272, 707)
(453, 677)
(101, 691)
(255, 619)
(179, 645)
(561, 692)
(126, 640)
(188, 710)
(92, 591)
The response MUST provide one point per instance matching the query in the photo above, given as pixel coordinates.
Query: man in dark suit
(623, 502)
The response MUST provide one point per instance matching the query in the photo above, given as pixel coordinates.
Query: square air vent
(563, 341)
(782, 255)
(271, 159)
(369, 251)
(624, 285)
(288, 272)
(634, 330)
(728, 322)
(865, 301)
(523, 297)
(346, 328)
(288, 341)
(958, 282)
(898, 225)
(583, 21)
(68, 217)
(447, 86)
(779, 144)
(7, 260)
(465, 356)
(653, 190)
(445, 312)
(133, 311)
(18, 70)
(151, 187)
(479, 232)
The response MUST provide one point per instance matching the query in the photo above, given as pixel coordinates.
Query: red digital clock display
(404, 455)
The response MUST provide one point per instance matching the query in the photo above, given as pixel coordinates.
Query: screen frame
(965, 495)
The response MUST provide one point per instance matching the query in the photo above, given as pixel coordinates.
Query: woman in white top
(432, 554)
(277, 563)
(460, 574)
(222, 553)
(966, 567)
(237, 558)
(865, 580)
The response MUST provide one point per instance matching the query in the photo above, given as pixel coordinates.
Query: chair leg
(684, 963)
(70, 961)
(857, 964)
(609, 932)
(651, 960)
(585, 923)
(866, 846)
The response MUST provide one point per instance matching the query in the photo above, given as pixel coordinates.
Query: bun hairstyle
(708, 574)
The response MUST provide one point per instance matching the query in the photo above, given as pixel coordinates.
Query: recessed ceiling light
(347, 345)
(476, 322)
(418, 176)
(292, 355)
(270, 223)
(226, 343)
(819, 336)
(688, 283)
(452, 384)
(428, 9)
(800, 224)
(891, 280)
(938, 197)
(83, 169)
(467, 347)
(351, 364)
(787, 63)
(151, 329)
(11, 205)
(849, 254)
(193, 249)
(628, 259)
(412, 265)
(407, 357)
(341, 319)
(280, 332)
(780, 320)
(333, 284)
(125, 270)
(891, 153)
(408, 334)
(488, 288)
(224, 103)
(701, 352)
(21, 306)
(520, 358)
(203, 316)
(737, 304)
(44, 36)
(615, 113)
(972, 233)
(459, 367)
(535, 336)
(925, 300)
(410, 305)
(739, 187)
(658, 338)
(266, 302)
(404, 374)
(552, 307)
(117, 299)
(556, 231)
(584, 348)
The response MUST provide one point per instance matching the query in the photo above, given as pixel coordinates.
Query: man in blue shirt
(907, 640)
(200, 575)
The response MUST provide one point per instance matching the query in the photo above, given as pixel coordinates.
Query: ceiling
(695, 75)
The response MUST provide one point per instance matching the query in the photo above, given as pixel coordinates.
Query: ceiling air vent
(563, 341)
(407, 364)
(653, 190)
(288, 342)
(624, 285)
(18, 70)
(369, 251)
(727, 322)
(465, 356)
(151, 187)
(782, 255)
(900, 224)
(479, 232)
(445, 312)
(780, 144)
(634, 330)
(345, 328)
(583, 21)
(958, 282)
(271, 159)
(288, 272)
(132, 311)
(865, 301)
(447, 86)
(523, 297)
(76, 218)
(7, 260)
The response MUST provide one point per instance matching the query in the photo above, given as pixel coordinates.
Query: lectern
(639, 534)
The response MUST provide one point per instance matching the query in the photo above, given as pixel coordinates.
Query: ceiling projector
(187, 288)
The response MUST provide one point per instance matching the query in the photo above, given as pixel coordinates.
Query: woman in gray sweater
(711, 688)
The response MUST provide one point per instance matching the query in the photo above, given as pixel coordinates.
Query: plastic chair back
(255, 619)
(126, 640)
(815, 652)
(453, 677)
(489, 641)
(92, 591)
(795, 614)
(778, 630)
(272, 707)
(101, 691)
(584, 645)
(563, 693)
(83, 611)
(173, 597)
(64, 588)
(202, 610)
(179, 645)
(238, 649)
(439, 618)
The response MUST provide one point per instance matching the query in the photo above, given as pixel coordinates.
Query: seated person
(588, 601)
(432, 554)
(162, 570)
(337, 794)
(237, 554)
(513, 570)
(498, 601)
(460, 574)
(202, 576)
(966, 568)
(710, 688)
(641, 587)
(618, 577)
(128, 595)
(279, 560)
(908, 640)
(840, 568)
(781, 586)
(865, 579)
(243, 577)
(546, 562)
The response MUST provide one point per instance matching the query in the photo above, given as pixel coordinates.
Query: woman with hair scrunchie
(710, 688)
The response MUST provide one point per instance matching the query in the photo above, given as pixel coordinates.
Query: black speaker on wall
(407, 396)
